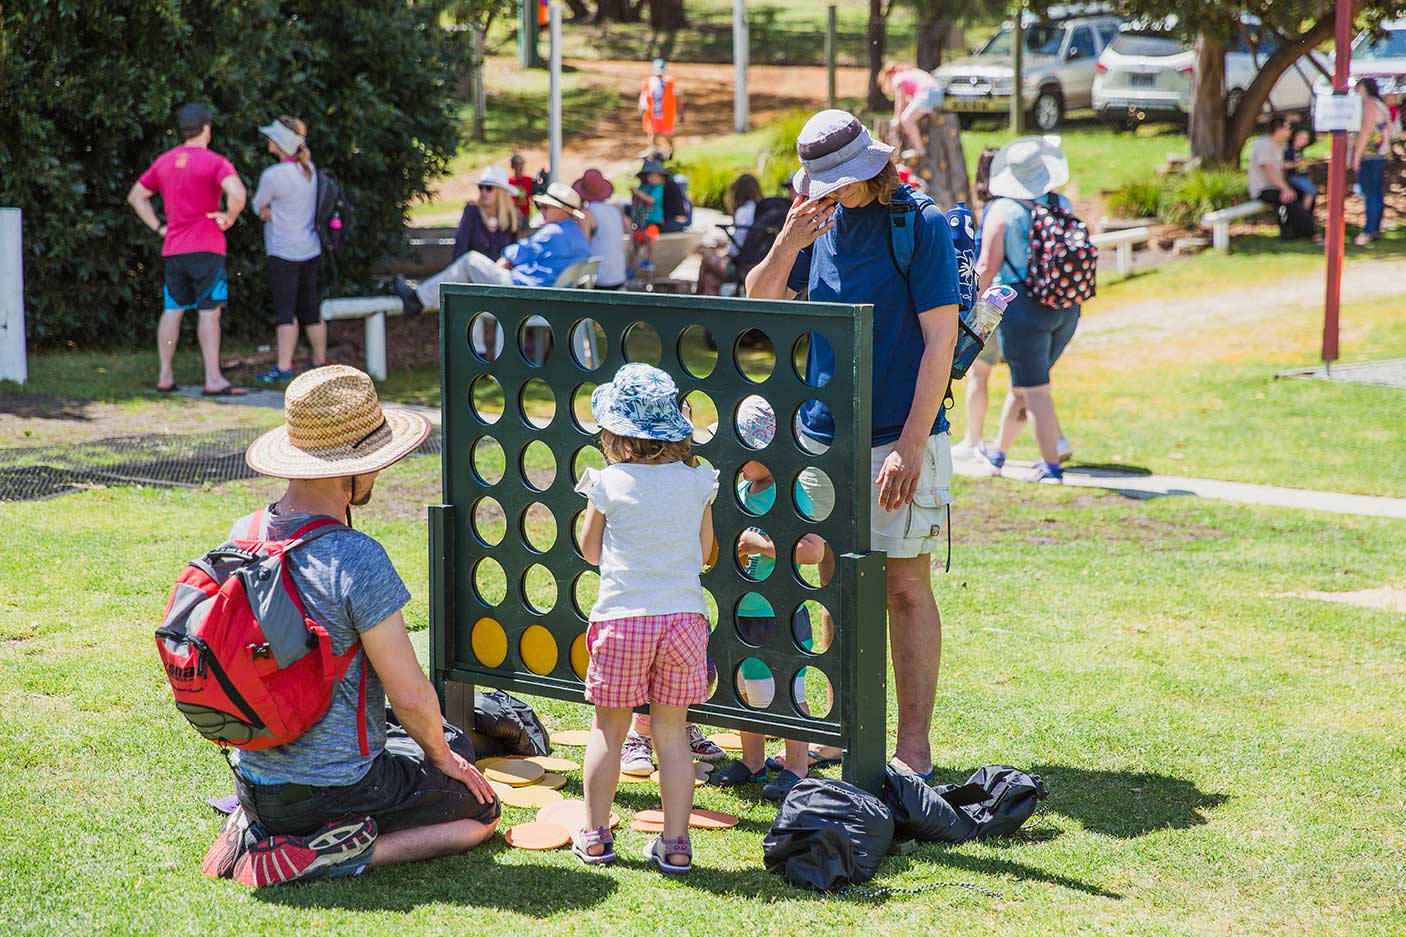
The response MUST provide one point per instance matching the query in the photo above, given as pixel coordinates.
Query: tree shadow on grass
(475, 879)
(1125, 804)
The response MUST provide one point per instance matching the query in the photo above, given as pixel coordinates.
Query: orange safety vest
(544, 15)
(659, 104)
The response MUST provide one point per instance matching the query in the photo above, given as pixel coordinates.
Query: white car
(1147, 75)
(1381, 56)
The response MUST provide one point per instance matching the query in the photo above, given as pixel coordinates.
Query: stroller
(754, 241)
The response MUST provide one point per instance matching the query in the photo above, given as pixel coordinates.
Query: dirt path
(1363, 281)
(613, 145)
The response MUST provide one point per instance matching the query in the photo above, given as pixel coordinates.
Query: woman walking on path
(836, 244)
(286, 202)
(491, 223)
(1369, 157)
(1033, 335)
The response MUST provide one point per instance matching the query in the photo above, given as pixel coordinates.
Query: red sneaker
(340, 848)
(227, 849)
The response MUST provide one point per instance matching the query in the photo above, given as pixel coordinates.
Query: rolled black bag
(920, 812)
(828, 834)
(505, 725)
(1012, 798)
(995, 801)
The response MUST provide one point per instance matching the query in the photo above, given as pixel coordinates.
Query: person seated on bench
(1268, 184)
(493, 222)
(536, 261)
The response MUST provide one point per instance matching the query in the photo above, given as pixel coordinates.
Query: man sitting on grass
(352, 792)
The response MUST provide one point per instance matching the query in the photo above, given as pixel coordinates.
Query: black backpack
(505, 725)
(334, 213)
(754, 241)
(828, 834)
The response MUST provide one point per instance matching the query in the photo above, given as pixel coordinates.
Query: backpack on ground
(248, 667)
(505, 725)
(828, 834)
(334, 213)
(995, 801)
(1063, 266)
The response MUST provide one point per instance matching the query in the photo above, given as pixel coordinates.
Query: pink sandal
(583, 840)
(660, 849)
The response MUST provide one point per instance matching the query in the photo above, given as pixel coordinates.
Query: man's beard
(361, 498)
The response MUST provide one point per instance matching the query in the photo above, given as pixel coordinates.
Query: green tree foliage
(90, 90)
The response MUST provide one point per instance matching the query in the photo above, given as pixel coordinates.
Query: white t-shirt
(742, 221)
(608, 243)
(650, 555)
(291, 234)
(1265, 152)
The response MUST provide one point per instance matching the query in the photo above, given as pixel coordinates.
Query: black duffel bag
(828, 834)
(505, 725)
(995, 801)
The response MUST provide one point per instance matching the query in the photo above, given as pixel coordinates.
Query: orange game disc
(551, 781)
(570, 814)
(549, 763)
(643, 826)
(698, 819)
(571, 738)
(529, 795)
(727, 741)
(538, 835)
(515, 772)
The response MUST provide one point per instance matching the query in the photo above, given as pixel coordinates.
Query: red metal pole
(1337, 187)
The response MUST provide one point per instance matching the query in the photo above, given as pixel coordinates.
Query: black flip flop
(168, 389)
(228, 391)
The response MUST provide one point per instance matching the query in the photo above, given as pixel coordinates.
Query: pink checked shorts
(659, 659)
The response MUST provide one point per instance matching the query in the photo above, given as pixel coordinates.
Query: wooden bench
(1219, 221)
(1123, 241)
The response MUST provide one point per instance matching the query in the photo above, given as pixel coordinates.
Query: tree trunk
(666, 14)
(1245, 118)
(877, 37)
(579, 10)
(932, 31)
(616, 11)
(943, 168)
(1207, 131)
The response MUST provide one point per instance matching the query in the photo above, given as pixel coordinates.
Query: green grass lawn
(1221, 758)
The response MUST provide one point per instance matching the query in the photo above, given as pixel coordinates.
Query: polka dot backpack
(1063, 264)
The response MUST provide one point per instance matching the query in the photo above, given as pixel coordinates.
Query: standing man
(836, 244)
(660, 107)
(191, 179)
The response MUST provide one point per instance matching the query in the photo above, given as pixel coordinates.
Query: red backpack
(248, 667)
(1063, 267)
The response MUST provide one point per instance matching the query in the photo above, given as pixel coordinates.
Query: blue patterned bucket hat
(641, 403)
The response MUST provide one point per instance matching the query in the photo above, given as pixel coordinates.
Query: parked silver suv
(1059, 62)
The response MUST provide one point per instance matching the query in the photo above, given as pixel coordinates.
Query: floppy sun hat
(593, 186)
(284, 137)
(497, 177)
(1028, 168)
(641, 402)
(334, 427)
(836, 150)
(560, 195)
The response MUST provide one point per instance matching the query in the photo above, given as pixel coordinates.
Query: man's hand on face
(454, 766)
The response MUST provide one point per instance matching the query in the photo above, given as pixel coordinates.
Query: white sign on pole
(13, 364)
(1336, 112)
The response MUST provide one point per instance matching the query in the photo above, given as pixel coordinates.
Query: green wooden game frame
(855, 663)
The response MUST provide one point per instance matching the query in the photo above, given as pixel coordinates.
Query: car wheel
(964, 121)
(1047, 111)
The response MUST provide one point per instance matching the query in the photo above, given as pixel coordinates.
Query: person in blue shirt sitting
(836, 243)
(538, 260)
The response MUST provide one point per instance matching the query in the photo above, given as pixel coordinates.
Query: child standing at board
(648, 526)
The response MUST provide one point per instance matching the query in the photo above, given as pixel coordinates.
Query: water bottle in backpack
(977, 326)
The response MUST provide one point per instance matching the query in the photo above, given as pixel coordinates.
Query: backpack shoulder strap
(312, 530)
(904, 210)
(252, 527)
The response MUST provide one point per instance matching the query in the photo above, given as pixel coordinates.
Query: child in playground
(756, 619)
(916, 94)
(647, 212)
(648, 526)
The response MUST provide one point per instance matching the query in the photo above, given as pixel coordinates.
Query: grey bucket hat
(835, 150)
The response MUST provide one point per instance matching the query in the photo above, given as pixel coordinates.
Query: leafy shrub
(1179, 199)
(91, 89)
(1137, 198)
(709, 181)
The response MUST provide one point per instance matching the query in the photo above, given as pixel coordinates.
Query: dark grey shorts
(401, 791)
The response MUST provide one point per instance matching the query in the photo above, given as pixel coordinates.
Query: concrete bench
(1219, 221)
(1123, 241)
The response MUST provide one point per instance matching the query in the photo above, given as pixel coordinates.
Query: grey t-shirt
(349, 586)
(291, 234)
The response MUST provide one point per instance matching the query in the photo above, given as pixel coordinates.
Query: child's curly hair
(644, 451)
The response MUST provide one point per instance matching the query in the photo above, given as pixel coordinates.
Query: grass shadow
(1391, 244)
(1125, 804)
(474, 879)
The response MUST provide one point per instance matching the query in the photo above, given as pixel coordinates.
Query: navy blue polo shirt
(852, 263)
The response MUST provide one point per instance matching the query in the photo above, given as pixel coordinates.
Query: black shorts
(196, 281)
(402, 791)
(294, 285)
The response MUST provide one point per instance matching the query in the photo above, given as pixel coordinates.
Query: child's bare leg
(675, 770)
(753, 750)
(601, 775)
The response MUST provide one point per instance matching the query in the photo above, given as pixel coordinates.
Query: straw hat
(1028, 168)
(335, 428)
(560, 195)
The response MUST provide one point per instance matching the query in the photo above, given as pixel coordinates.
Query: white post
(13, 365)
(1125, 256)
(740, 55)
(554, 94)
(376, 345)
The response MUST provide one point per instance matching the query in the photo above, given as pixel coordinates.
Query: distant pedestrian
(646, 214)
(286, 202)
(607, 223)
(493, 222)
(1369, 156)
(660, 107)
(522, 184)
(191, 180)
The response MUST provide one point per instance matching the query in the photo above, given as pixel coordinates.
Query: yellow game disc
(533, 795)
(550, 780)
(538, 835)
(549, 763)
(571, 814)
(483, 764)
(571, 738)
(514, 771)
(727, 741)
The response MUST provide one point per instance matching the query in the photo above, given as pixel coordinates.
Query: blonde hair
(304, 155)
(619, 449)
(509, 218)
(882, 186)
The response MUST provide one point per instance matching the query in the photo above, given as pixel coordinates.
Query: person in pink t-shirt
(191, 179)
(916, 94)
